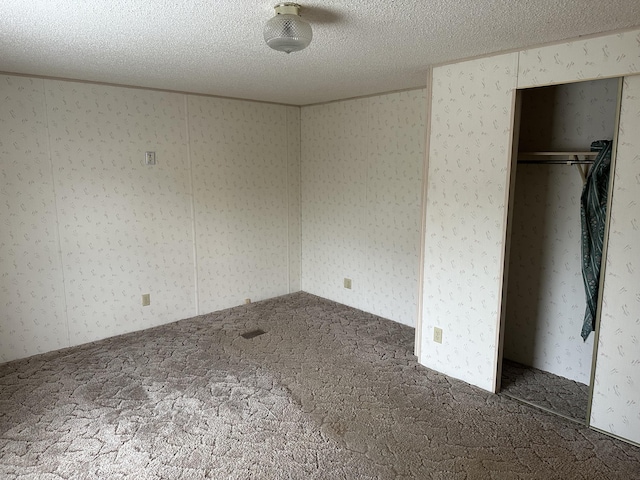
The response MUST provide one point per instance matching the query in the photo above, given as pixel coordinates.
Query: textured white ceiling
(216, 46)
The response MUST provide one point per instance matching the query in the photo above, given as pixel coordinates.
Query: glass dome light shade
(287, 32)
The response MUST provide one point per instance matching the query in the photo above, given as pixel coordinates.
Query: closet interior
(545, 360)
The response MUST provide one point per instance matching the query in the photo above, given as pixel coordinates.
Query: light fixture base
(287, 9)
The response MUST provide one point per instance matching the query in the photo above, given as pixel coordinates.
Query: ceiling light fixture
(287, 32)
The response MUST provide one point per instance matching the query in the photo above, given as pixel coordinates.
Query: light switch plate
(149, 158)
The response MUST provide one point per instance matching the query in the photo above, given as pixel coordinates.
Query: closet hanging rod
(558, 162)
(558, 154)
(573, 158)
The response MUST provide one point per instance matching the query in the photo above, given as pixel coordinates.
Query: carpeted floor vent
(253, 334)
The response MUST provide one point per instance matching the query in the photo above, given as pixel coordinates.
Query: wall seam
(299, 198)
(366, 294)
(55, 206)
(193, 207)
(417, 343)
(300, 215)
(286, 128)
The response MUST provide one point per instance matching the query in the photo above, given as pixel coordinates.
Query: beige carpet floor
(546, 390)
(328, 392)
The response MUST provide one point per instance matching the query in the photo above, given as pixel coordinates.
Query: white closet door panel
(469, 155)
(608, 56)
(616, 395)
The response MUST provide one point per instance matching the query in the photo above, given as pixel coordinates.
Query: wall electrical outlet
(437, 335)
(146, 299)
(347, 283)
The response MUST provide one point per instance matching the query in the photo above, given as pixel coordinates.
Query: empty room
(328, 240)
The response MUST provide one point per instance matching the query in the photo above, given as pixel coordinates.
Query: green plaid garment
(593, 213)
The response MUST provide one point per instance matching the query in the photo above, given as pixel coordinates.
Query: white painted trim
(57, 212)
(193, 208)
(417, 348)
(506, 236)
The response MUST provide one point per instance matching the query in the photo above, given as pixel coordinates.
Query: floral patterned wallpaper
(32, 314)
(240, 181)
(362, 163)
(616, 395)
(333, 182)
(123, 226)
(88, 228)
(606, 56)
(469, 157)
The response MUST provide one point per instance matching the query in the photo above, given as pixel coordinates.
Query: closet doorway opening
(544, 360)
